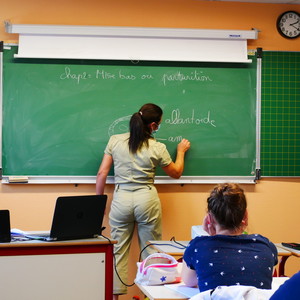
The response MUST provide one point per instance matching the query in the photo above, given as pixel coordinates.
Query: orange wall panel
(156, 13)
(273, 202)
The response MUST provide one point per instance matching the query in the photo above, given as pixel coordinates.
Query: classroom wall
(274, 203)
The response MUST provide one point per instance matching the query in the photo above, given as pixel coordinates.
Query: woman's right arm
(175, 169)
(102, 173)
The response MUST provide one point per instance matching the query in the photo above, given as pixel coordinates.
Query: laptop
(75, 217)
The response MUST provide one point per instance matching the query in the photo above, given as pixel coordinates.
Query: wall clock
(288, 24)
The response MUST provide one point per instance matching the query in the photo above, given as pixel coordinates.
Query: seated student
(227, 256)
(290, 290)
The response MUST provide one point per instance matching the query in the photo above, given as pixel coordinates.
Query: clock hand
(292, 24)
(297, 28)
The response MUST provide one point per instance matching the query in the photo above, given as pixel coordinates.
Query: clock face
(288, 24)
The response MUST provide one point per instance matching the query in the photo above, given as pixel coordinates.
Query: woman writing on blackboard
(135, 156)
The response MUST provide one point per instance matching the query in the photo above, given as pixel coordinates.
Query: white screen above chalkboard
(132, 43)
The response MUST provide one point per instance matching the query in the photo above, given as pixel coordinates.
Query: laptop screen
(78, 217)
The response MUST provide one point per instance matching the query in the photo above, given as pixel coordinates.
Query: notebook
(75, 217)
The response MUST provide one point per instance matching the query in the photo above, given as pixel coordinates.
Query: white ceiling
(265, 1)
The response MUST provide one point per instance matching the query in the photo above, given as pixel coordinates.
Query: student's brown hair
(227, 203)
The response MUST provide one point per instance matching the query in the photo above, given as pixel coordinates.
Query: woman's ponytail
(139, 125)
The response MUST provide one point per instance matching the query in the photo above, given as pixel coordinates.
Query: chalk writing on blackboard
(179, 76)
(74, 76)
(120, 125)
(176, 118)
(100, 74)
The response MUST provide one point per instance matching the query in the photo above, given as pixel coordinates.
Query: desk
(160, 292)
(174, 249)
(293, 251)
(284, 254)
(81, 269)
(163, 293)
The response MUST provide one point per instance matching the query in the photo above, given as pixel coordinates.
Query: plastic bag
(157, 269)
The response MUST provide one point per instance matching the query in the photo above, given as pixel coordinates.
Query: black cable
(140, 256)
(181, 246)
(115, 265)
(173, 239)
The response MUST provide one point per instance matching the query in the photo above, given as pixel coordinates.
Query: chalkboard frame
(159, 179)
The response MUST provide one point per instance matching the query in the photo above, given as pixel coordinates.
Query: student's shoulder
(262, 240)
(257, 237)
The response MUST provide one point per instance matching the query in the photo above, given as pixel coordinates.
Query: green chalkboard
(280, 114)
(58, 114)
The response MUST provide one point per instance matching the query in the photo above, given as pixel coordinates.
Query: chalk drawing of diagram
(120, 125)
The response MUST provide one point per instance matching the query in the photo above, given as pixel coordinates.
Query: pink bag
(157, 269)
